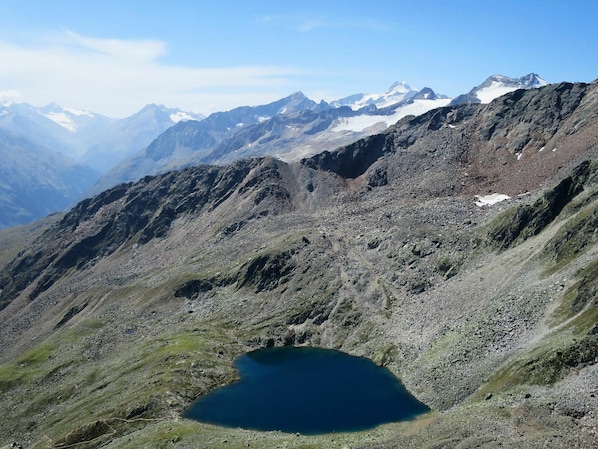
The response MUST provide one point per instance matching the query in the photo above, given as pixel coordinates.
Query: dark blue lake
(307, 390)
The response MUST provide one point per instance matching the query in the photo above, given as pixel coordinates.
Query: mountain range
(158, 139)
(457, 248)
(86, 137)
(56, 154)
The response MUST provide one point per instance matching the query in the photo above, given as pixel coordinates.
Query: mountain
(131, 134)
(498, 85)
(51, 127)
(51, 152)
(292, 128)
(188, 142)
(370, 121)
(72, 120)
(89, 138)
(399, 91)
(137, 301)
(36, 181)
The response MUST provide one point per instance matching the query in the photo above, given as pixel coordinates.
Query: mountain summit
(396, 93)
(497, 85)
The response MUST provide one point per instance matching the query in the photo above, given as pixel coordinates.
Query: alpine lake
(309, 391)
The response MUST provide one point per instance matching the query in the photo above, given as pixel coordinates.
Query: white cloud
(9, 94)
(118, 77)
(309, 25)
(305, 23)
(134, 50)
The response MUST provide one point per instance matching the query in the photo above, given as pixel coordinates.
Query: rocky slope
(137, 300)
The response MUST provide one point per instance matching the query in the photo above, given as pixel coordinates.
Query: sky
(115, 56)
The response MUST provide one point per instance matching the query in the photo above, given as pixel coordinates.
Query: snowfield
(63, 120)
(362, 122)
(495, 90)
(180, 116)
(64, 117)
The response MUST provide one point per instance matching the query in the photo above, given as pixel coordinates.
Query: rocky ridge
(136, 301)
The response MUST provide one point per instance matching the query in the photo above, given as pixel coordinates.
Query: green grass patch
(144, 381)
(572, 347)
(578, 296)
(83, 329)
(26, 366)
(573, 239)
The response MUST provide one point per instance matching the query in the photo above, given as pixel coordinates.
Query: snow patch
(362, 122)
(495, 90)
(489, 200)
(62, 119)
(180, 116)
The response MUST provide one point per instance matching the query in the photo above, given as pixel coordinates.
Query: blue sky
(113, 57)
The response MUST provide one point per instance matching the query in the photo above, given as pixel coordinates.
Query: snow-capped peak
(65, 117)
(400, 88)
(163, 113)
(526, 82)
(397, 92)
(533, 80)
(497, 85)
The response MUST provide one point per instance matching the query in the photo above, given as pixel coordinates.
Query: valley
(117, 314)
